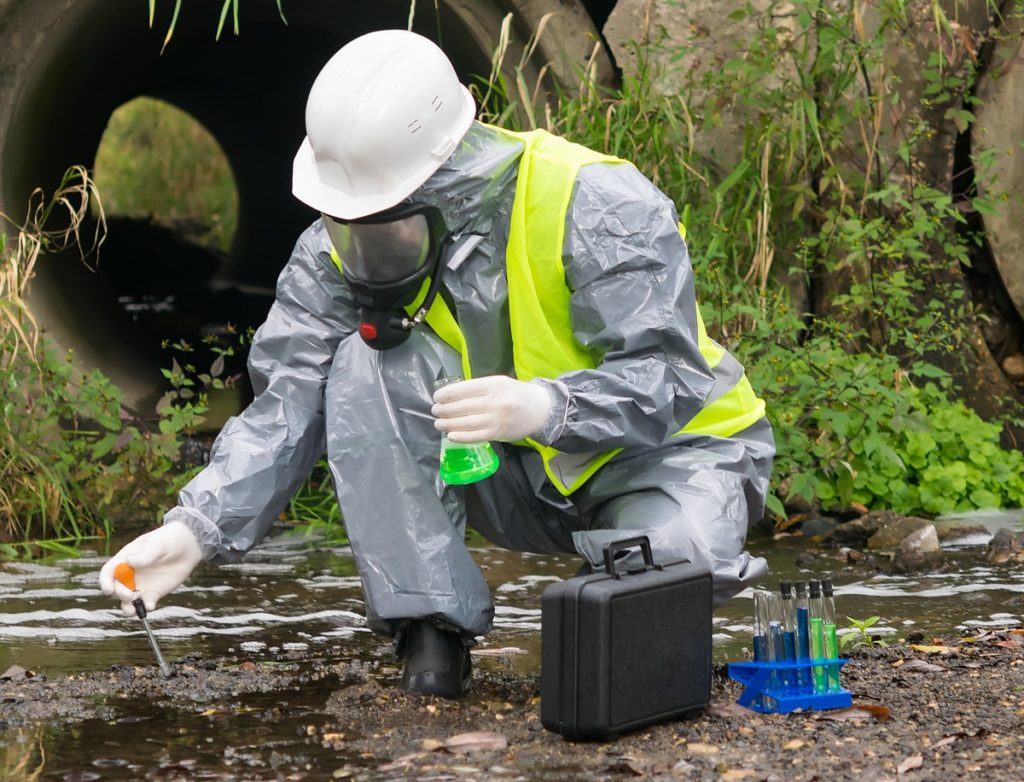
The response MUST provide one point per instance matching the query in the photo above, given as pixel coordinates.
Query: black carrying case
(625, 648)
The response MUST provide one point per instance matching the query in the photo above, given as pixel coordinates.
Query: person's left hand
(490, 408)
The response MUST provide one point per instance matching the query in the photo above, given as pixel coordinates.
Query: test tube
(761, 647)
(777, 643)
(803, 641)
(789, 631)
(760, 626)
(817, 637)
(828, 618)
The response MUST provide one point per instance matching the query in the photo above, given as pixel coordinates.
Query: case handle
(620, 545)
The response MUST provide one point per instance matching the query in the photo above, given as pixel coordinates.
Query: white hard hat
(382, 116)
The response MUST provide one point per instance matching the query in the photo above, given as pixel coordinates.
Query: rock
(856, 532)
(890, 535)
(1005, 546)
(1013, 366)
(997, 131)
(919, 550)
(818, 525)
(796, 505)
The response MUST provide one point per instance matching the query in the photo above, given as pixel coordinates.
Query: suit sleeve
(263, 455)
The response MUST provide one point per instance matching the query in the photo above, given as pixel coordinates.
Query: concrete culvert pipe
(67, 65)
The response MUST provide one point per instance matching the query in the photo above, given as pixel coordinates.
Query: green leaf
(924, 369)
(104, 445)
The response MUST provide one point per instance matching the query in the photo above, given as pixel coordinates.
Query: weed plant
(858, 633)
(72, 456)
(822, 254)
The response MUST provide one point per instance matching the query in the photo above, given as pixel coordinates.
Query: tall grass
(72, 456)
(39, 495)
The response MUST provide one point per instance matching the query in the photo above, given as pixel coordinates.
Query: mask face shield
(386, 258)
(382, 254)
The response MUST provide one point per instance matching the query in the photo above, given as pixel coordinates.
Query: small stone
(682, 769)
(698, 748)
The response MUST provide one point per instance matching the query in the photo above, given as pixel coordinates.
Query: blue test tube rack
(758, 680)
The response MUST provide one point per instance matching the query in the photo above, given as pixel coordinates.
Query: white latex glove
(162, 560)
(490, 408)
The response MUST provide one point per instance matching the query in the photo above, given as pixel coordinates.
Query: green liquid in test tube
(817, 633)
(463, 463)
(828, 615)
(818, 653)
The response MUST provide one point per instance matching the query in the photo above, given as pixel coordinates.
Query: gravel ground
(936, 710)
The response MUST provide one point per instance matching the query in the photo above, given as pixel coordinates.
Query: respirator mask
(385, 259)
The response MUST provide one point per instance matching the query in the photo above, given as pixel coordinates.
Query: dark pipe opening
(66, 66)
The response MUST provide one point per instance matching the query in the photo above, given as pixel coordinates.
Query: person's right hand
(162, 560)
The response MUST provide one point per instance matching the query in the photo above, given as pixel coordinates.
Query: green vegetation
(823, 258)
(70, 453)
(859, 635)
(157, 162)
(822, 255)
(315, 508)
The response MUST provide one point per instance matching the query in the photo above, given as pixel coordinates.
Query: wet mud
(938, 709)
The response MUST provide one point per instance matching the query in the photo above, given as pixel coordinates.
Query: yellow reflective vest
(543, 344)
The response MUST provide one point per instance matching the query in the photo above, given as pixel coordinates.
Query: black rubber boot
(436, 661)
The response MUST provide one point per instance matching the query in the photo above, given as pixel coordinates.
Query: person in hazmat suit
(555, 282)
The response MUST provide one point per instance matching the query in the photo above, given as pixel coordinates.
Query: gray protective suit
(319, 386)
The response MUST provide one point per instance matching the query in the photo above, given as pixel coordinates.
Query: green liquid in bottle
(463, 463)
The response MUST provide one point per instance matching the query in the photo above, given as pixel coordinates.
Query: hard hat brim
(309, 187)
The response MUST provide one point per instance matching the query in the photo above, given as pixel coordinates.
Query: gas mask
(386, 259)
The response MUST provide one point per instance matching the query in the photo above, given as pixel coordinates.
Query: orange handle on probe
(125, 573)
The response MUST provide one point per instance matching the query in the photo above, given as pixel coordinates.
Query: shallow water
(293, 596)
(293, 593)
